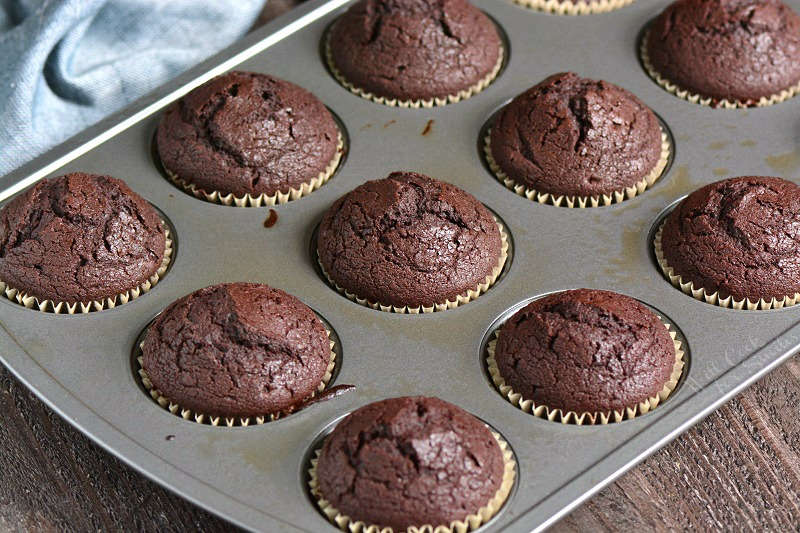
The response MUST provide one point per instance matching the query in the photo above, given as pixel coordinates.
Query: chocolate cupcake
(726, 53)
(408, 243)
(406, 463)
(236, 351)
(574, 7)
(414, 52)
(249, 139)
(585, 356)
(577, 142)
(80, 243)
(734, 243)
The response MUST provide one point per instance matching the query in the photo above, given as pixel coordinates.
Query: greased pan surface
(81, 365)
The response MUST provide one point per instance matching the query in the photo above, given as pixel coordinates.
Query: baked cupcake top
(408, 240)
(247, 133)
(738, 236)
(236, 350)
(585, 350)
(414, 49)
(576, 137)
(727, 49)
(79, 238)
(409, 462)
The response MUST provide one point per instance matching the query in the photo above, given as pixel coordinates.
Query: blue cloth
(65, 64)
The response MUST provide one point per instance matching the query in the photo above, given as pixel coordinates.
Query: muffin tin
(81, 365)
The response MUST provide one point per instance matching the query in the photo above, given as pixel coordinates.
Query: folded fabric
(65, 64)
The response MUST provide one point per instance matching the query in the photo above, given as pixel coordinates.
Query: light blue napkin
(65, 64)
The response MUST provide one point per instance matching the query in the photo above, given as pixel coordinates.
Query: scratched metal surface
(81, 365)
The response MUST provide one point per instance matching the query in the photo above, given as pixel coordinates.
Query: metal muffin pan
(80, 365)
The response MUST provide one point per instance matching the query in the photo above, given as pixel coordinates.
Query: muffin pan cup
(470, 522)
(460, 299)
(696, 98)
(82, 366)
(264, 199)
(580, 202)
(414, 104)
(575, 7)
(554, 414)
(713, 297)
(49, 306)
(229, 421)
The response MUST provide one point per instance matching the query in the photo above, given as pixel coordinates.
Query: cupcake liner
(579, 201)
(449, 304)
(713, 297)
(202, 418)
(587, 418)
(415, 104)
(696, 98)
(248, 200)
(49, 306)
(578, 7)
(469, 523)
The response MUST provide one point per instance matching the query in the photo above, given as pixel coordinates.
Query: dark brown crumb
(428, 127)
(271, 219)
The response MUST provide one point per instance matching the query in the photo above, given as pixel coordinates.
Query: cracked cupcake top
(79, 238)
(585, 350)
(245, 132)
(740, 236)
(727, 49)
(414, 49)
(576, 137)
(236, 349)
(409, 462)
(408, 240)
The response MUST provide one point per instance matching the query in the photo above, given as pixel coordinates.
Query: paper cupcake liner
(248, 200)
(469, 523)
(49, 306)
(713, 297)
(696, 98)
(449, 304)
(201, 418)
(587, 418)
(415, 104)
(579, 7)
(579, 201)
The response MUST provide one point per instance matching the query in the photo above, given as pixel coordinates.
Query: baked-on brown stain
(272, 218)
(784, 163)
(389, 123)
(718, 145)
(366, 126)
(721, 171)
(748, 143)
(428, 127)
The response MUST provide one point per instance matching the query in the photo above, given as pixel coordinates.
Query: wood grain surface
(737, 470)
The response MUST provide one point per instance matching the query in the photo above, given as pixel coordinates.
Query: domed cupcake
(734, 243)
(238, 351)
(414, 52)
(80, 243)
(575, 7)
(409, 462)
(577, 142)
(249, 139)
(726, 53)
(408, 243)
(585, 356)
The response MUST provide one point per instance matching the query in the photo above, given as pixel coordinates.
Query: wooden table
(739, 469)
